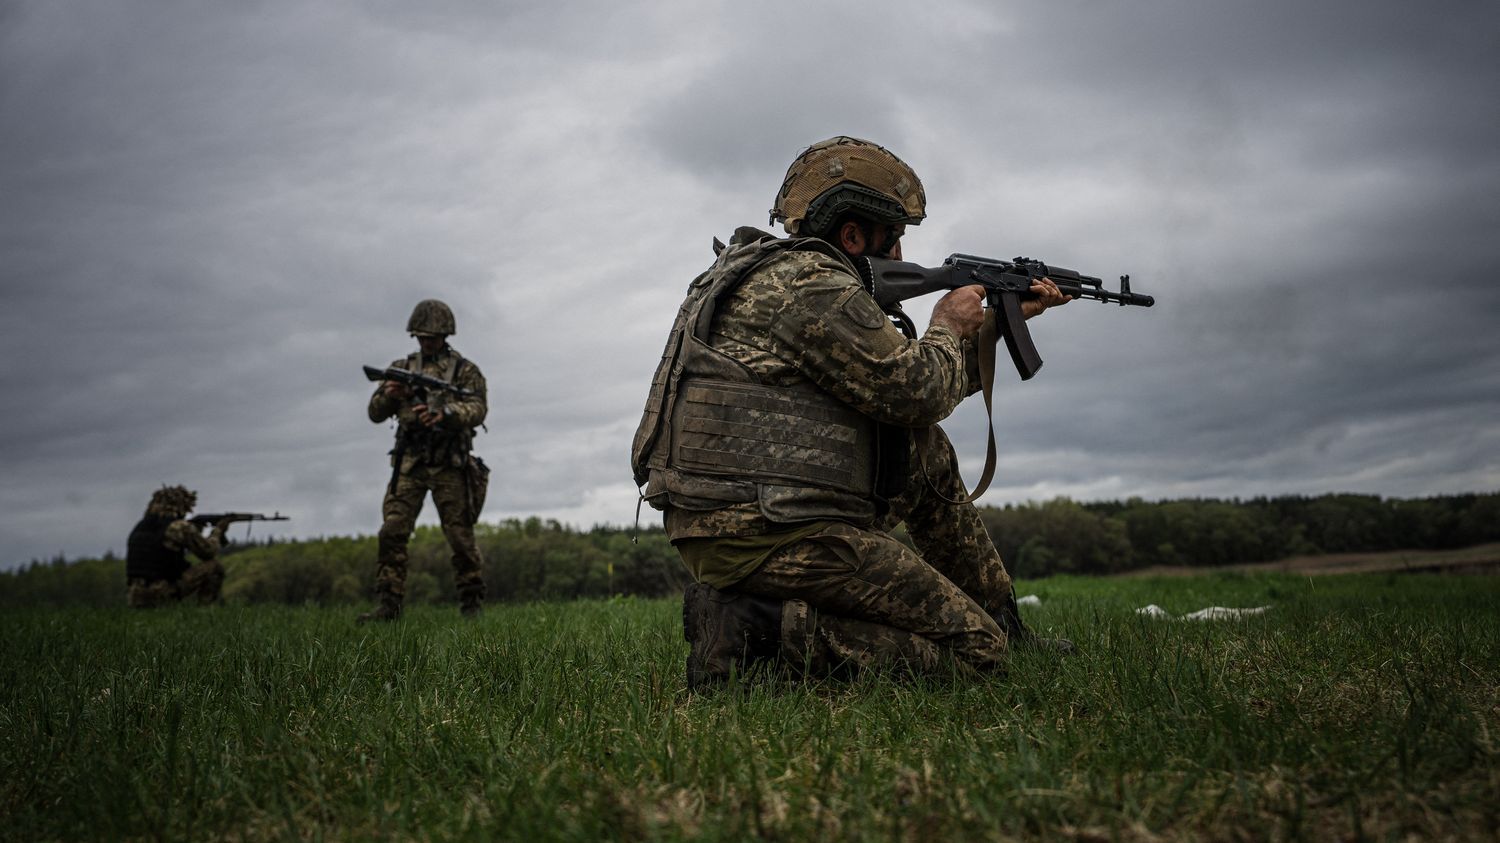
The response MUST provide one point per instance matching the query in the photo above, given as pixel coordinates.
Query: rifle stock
(892, 282)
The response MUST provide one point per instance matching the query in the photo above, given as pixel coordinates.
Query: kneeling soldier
(791, 427)
(157, 571)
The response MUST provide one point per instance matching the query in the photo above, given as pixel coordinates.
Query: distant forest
(536, 560)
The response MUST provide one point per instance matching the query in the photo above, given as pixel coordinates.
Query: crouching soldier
(157, 571)
(791, 427)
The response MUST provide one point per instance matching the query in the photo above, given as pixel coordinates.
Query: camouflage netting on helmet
(431, 318)
(172, 501)
(842, 175)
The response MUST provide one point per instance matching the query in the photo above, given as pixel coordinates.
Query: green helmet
(172, 501)
(845, 174)
(431, 318)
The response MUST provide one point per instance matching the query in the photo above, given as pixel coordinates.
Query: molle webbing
(433, 446)
(767, 434)
(414, 363)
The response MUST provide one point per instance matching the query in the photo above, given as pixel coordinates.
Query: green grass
(1359, 707)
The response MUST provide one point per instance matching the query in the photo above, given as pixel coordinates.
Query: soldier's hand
(426, 416)
(1047, 295)
(962, 311)
(396, 389)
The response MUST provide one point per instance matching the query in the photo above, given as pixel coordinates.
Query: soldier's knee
(984, 649)
(461, 538)
(394, 530)
(458, 535)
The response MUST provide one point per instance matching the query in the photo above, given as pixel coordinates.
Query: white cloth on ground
(1212, 613)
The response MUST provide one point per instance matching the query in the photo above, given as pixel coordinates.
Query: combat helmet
(845, 174)
(431, 318)
(172, 501)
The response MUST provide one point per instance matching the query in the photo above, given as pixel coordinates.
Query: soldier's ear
(852, 238)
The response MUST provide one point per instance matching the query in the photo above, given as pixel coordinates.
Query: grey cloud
(212, 215)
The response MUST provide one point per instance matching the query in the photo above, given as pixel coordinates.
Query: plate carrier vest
(713, 435)
(147, 556)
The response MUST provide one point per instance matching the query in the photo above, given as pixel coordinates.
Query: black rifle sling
(989, 338)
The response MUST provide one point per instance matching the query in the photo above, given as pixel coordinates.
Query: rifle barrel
(1100, 294)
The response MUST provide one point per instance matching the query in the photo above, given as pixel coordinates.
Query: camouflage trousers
(402, 506)
(201, 582)
(859, 598)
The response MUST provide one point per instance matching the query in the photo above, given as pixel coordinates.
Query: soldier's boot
(728, 633)
(389, 609)
(1009, 618)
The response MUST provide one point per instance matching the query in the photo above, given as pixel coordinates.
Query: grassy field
(1359, 707)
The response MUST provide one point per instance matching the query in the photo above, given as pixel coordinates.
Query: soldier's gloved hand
(395, 389)
(961, 311)
(1047, 295)
(428, 418)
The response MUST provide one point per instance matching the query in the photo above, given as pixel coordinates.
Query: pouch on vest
(770, 434)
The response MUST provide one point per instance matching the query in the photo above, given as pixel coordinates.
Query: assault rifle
(1005, 283)
(208, 518)
(226, 518)
(428, 390)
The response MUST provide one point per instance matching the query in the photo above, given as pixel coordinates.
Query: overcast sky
(212, 214)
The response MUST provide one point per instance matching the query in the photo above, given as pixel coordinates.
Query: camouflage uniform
(156, 568)
(435, 460)
(800, 320)
(859, 597)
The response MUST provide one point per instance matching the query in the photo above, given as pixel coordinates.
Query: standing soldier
(157, 571)
(434, 435)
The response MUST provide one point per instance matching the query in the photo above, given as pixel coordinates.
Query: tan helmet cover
(845, 174)
(431, 318)
(172, 501)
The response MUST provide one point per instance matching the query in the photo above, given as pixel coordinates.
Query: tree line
(533, 559)
(1064, 537)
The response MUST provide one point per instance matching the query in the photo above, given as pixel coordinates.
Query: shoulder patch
(862, 309)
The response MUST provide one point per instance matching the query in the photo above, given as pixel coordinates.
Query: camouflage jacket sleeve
(383, 406)
(182, 535)
(846, 345)
(466, 413)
